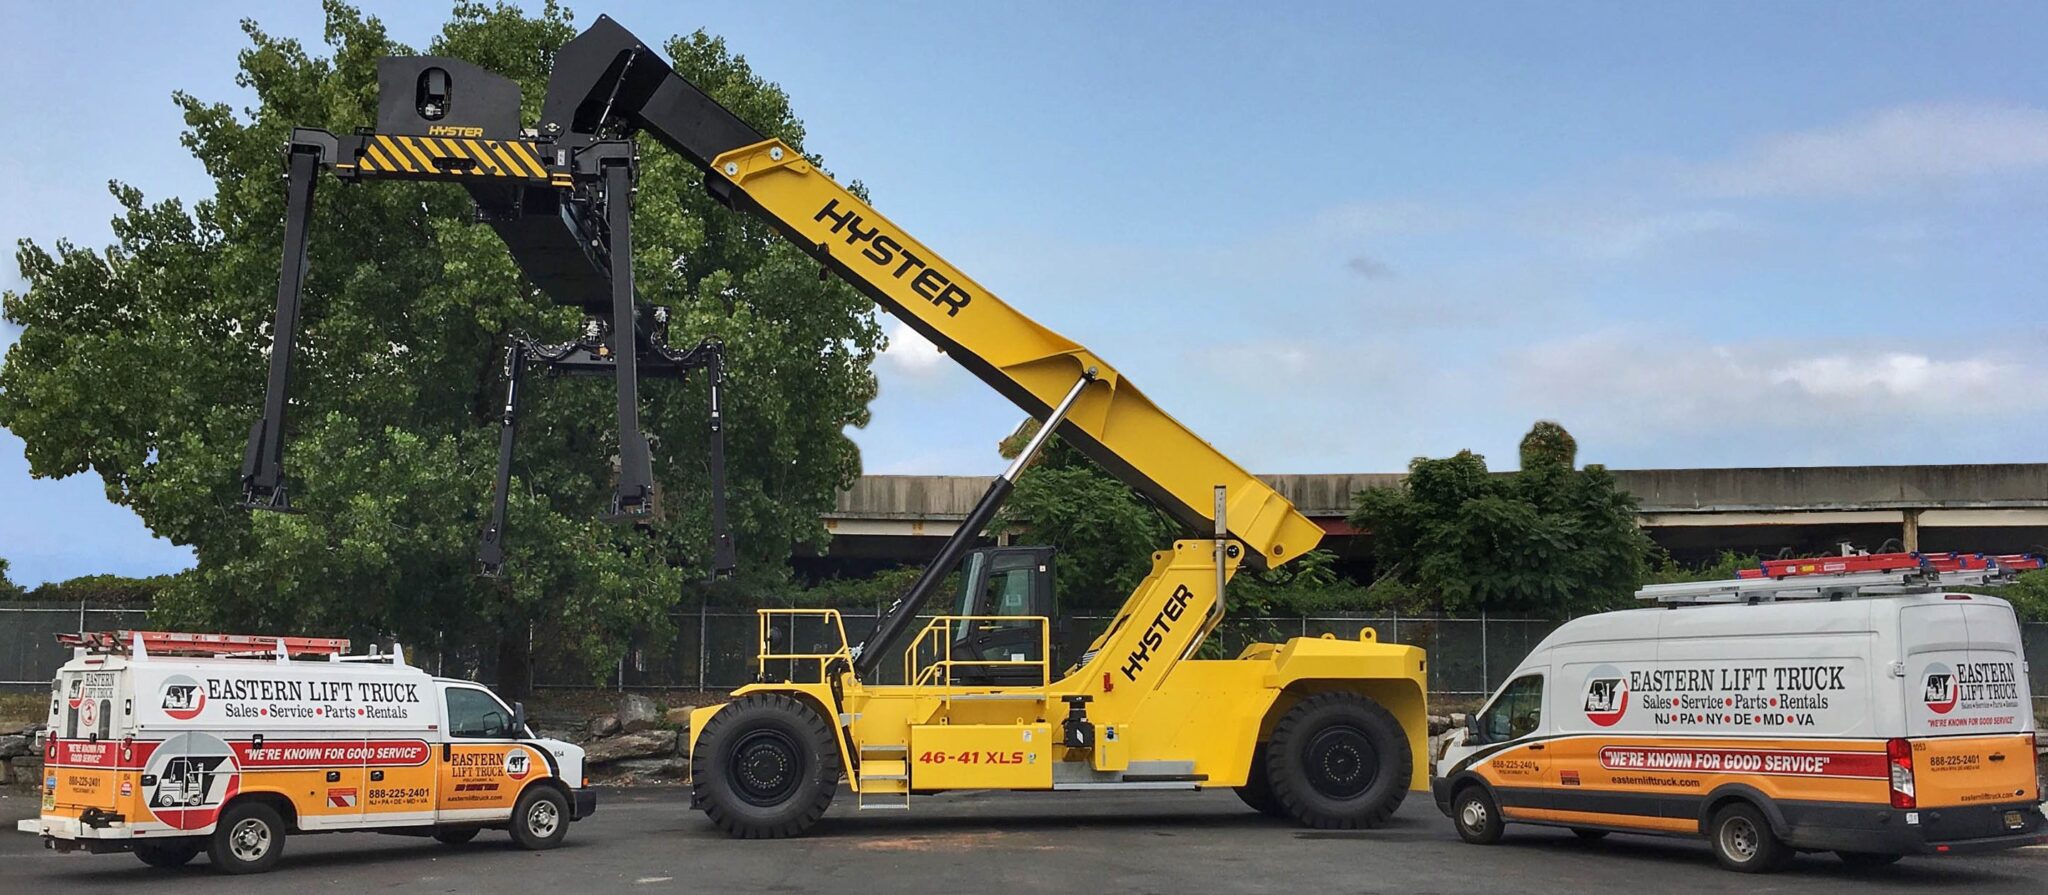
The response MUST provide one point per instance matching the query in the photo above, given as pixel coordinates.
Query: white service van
(1871, 725)
(167, 745)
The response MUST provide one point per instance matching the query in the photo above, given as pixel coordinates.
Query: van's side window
(1516, 712)
(474, 713)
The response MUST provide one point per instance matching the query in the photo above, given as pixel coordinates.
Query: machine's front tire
(168, 854)
(765, 767)
(1339, 761)
(1257, 791)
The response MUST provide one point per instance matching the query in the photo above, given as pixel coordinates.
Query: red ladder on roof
(168, 642)
(1892, 562)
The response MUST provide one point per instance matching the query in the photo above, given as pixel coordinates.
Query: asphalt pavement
(646, 840)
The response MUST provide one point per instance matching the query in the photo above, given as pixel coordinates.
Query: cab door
(480, 766)
(1008, 582)
(1510, 732)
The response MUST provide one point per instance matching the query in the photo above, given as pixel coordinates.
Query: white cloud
(910, 353)
(1894, 150)
(1786, 399)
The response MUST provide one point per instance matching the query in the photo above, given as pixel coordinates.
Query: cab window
(476, 714)
(1515, 713)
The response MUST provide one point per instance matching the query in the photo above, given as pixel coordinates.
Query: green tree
(2028, 594)
(8, 589)
(1104, 531)
(106, 590)
(145, 362)
(1548, 540)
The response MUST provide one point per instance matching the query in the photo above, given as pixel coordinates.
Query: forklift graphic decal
(188, 779)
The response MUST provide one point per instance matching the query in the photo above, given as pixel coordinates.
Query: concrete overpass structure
(1695, 513)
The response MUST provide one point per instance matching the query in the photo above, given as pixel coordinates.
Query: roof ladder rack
(1820, 587)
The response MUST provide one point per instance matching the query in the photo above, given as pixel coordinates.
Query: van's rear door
(1967, 706)
(84, 753)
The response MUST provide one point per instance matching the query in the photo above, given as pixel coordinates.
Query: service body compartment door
(981, 756)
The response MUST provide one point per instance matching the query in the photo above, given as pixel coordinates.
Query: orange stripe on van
(1603, 819)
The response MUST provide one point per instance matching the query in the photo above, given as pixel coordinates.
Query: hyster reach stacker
(1322, 730)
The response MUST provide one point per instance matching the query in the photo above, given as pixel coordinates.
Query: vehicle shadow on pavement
(360, 849)
(1650, 852)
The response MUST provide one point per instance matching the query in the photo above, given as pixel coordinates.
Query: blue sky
(1328, 236)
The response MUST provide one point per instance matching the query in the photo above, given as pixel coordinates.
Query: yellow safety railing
(768, 653)
(939, 671)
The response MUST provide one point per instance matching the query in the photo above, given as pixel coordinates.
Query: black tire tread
(217, 844)
(517, 827)
(707, 768)
(1287, 789)
(168, 854)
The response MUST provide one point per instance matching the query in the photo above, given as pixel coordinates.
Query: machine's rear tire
(168, 854)
(1257, 791)
(1339, 761)
(765, 767)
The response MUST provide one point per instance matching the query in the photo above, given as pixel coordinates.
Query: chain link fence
(715, 650)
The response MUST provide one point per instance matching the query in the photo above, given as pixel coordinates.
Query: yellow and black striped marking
(452, 157)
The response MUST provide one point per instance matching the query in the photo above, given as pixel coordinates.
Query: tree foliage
(1104, 532)
(101, 590)
(1547, 540)
(145, 362)
(8, 589)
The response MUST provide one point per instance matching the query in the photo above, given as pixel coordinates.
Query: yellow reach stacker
(1322, 730)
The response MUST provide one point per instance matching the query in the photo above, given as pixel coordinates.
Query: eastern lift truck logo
(1970, 686)
(1606, 696)
(182, 697)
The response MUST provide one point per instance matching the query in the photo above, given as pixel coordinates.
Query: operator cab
(1002, 581)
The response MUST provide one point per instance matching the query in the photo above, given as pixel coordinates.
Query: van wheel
(1477, 817)
(1338, 761)
(248, 839)
(1743, 842)
(539, 819)
(167, 854)
(765, 767)
(1589, 835)
(1868, 858)
(1257, 791)
(456, 836)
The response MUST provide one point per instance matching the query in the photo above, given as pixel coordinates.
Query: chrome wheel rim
(250, 840)
(543, 818)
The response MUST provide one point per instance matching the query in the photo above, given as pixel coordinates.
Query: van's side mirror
(519, 719)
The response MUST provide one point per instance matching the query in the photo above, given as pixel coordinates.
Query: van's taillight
(1899, 755)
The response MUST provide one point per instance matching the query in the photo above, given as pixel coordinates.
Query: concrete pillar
(1910, 530)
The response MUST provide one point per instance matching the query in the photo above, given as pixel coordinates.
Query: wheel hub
(1341, 762)
(766, 767)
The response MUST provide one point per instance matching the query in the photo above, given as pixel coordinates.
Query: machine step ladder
(884, 777)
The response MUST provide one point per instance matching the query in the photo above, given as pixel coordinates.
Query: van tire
(1257, 791)
(1868, 858)
(540, 819)
(1339, 761)
(1742, 840)
(1476, 816)
(168, 854)
(455, 836)
(765, 767)
(248, 839)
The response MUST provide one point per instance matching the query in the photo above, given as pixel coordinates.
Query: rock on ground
(644, 744)
(637, 713)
